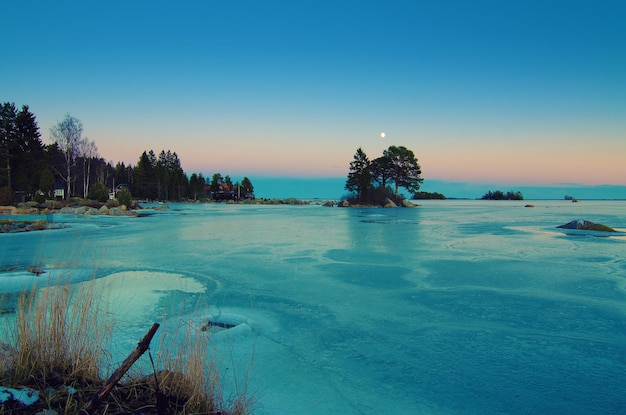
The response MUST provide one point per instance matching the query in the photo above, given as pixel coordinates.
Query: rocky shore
(28, 217)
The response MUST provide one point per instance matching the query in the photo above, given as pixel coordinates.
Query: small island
(368, 179)
(500, 195)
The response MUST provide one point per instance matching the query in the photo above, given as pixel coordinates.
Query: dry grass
(60, 337)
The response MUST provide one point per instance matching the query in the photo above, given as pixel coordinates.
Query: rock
(529, 206)
(389, 204)
(345, 203)
(408, 204)
(8, 210)
(35, 271)
(24, 210)
(585, 225)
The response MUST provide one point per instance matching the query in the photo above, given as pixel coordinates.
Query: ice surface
(131, 296)
(454, 307)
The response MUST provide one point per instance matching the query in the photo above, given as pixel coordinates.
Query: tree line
(369, 179)
(30, 169)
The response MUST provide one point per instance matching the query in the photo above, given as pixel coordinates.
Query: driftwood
(102, 394)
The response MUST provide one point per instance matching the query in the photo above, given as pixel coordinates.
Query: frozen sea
(454, 307)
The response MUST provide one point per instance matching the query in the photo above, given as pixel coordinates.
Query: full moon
(382, 135)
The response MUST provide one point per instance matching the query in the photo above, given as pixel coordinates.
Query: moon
(382, 135)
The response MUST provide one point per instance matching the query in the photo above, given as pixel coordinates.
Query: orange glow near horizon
(527, 165)
(474, 158)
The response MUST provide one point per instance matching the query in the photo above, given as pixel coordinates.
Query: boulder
(406, 203)
(389, 204)
(8, 210)
(585, 225)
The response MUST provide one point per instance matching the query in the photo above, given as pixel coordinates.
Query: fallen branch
(102, 394)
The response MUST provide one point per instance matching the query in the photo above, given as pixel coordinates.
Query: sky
(510, 93)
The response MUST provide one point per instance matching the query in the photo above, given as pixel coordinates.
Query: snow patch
(24, 396)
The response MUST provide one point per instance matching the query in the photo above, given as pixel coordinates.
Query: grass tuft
(59, 337)
(58, 348)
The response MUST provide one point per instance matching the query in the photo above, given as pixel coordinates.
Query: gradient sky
(517, 92)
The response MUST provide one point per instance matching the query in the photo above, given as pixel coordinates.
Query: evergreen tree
(193, 185)
(196, 186)
(201, 184)
(8, 137)
(98, 192)
(360, 175)
(29, 161)
(246, 185)
(382, 170)
(46, 183)
(122, 175)
(179, 178)
(170, 175)
(21, 150)
(216, 181)
(55, 161)
(145, 176)
(124, 197)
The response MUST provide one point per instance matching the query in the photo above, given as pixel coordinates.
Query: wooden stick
(102, 394)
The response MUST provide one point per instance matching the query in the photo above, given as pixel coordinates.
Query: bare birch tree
(88, 151)
(67, 134)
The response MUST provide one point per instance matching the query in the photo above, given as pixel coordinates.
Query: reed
(60, 336)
